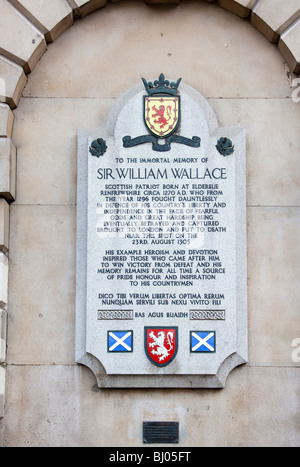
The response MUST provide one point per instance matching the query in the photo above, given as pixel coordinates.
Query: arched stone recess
(26, 29)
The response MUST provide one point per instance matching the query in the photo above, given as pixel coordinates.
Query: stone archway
(24, 34)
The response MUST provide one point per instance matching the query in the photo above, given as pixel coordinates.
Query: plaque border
(162, 380)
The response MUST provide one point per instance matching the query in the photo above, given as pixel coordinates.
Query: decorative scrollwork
(129, 142)
(98, 147)
(225, 147)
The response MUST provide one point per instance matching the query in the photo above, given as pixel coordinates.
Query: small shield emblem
(161, 345)
(162, 114)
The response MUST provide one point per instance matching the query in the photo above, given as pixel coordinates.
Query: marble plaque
(161, 242)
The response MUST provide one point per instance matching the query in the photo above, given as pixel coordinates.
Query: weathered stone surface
(3, 280)
(85, 7)
(273, 283)
(289, 46)
(266, 167)
(42, 282)
(163, 2)
(2, 390)
(36, 183)
(8, 155)
(89, 417)
(4, 226)
(3, 324)
(233, 44)
(12, 82)
(19, 40)
(272, 17)
(6, 121)
(240, 8)
(52, 22)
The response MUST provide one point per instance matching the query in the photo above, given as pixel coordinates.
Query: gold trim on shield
(162, 114)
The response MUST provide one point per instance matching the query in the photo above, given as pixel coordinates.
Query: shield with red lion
(161, 345)
(162, 114)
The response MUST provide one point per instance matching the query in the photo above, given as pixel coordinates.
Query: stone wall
(250, 80)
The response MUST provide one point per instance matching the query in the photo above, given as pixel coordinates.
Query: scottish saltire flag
(203, 341)
(120, 341)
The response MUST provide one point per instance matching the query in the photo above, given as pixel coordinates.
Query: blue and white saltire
(203, 341)
(120, 341)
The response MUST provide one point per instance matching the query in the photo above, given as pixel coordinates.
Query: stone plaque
(161, 242)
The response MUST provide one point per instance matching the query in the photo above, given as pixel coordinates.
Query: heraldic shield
(162, 114)
(161, 345)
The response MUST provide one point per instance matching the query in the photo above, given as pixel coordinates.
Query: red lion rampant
(160, 113)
